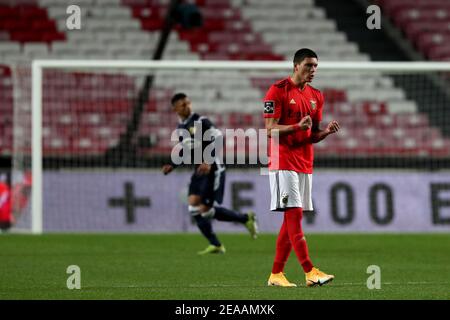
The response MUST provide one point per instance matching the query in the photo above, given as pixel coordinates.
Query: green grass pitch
(130, 266)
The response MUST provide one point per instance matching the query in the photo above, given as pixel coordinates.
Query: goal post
(350, 153)
(36, 151)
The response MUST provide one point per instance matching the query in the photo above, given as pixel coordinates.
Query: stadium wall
(148, 201)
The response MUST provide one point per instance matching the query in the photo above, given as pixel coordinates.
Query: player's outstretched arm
(272, 126)
(318, 135)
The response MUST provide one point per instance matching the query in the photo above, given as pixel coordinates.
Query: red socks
(283, 249)
(291, 235)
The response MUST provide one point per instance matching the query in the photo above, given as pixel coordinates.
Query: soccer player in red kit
(292, 112)
(6, 217)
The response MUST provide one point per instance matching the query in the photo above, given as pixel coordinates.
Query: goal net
(90, 137)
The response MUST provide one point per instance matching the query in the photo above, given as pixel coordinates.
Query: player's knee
(207, 212)
(194, 210)
(202, 210)
(194, 200)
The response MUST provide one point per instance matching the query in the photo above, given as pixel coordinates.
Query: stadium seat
(425, 23)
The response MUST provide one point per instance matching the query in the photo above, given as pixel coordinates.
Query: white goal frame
(39, 65)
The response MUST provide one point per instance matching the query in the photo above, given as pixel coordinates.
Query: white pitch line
(335, 283)
(392, 283)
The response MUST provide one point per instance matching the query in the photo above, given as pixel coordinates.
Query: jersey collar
(185, 121)
(295, 86)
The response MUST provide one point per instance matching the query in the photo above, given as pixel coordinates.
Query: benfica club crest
(313, 104)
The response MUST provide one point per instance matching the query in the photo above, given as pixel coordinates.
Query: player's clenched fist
(305, 123)
(333, 127)
(167, 168)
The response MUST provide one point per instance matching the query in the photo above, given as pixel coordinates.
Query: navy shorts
(209, 187)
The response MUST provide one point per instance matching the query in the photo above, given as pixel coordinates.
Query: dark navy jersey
(195, 134)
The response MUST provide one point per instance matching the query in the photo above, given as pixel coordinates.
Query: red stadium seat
(26, 22)
(425, 22)
(214, 40)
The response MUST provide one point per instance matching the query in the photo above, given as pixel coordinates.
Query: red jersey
(286, 101)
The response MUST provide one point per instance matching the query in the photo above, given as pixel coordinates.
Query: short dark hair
(302, 54)
(177, 96)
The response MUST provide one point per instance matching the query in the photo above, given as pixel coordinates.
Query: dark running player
(207, 183)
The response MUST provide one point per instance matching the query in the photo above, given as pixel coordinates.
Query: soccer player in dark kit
(207, 184)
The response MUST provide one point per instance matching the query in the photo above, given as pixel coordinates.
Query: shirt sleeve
(272, 103)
